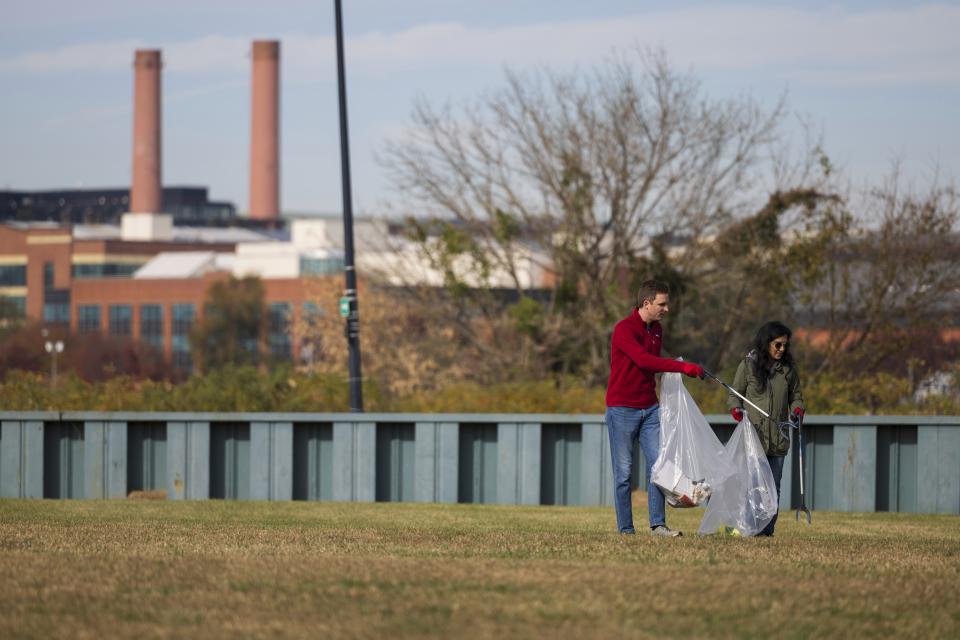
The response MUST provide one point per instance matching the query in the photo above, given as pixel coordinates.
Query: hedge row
(246, 389)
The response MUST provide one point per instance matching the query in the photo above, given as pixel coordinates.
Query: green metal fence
(853, 463)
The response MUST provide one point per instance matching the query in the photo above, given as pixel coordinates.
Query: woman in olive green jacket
(768, 377)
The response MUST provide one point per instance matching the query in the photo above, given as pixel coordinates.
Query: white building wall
(406, 265)
(267, 260)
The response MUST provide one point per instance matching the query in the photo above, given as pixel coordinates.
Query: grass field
(84, 569)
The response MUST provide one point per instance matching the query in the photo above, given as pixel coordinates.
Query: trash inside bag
(693, 468)
(746, 501)
(691, 458)
(679, 490)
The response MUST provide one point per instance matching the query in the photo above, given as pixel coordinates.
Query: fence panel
(230, 461)
(560, 461)
(105, 459)
(313, 462)
(21, 459)
(396, 457)
(146, 456)
(897, 468)
(63, 460)
(435, 468)
(477, 473)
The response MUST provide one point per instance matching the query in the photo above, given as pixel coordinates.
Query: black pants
(776, 465)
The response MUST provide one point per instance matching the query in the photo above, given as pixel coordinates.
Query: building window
(121, 320)
(278, 330)
(320, 266)
(183, 317)
(13, 307)
(88, 318)
(151, 325)
(181, 324)
(105, 270)
(13, 275)
(48, 275)
(56, 313)
(56, 306)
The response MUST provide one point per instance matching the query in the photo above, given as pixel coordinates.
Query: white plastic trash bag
(694, 468)
(691, 456)
(745, 501)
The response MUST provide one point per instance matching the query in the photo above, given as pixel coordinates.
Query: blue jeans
(625, 426)
(776, 465)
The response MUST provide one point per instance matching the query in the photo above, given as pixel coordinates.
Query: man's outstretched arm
(649, 362)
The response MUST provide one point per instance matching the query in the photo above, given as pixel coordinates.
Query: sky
(880, 81)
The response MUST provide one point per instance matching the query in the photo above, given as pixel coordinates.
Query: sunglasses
(780, 346)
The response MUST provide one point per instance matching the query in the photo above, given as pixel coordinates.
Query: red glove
(692, 370)
(737, 414)
(798, 413)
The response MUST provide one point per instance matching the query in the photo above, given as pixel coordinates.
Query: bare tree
(598, 172)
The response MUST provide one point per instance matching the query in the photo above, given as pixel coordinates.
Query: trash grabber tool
(735, 392)
(803, 502)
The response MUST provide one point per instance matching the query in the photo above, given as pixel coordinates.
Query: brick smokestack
(145, 191)
(265, 131)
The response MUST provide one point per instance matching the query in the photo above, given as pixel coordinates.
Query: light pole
(349, 306)
(53, 347)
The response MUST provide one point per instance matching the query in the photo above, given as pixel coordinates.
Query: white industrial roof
(96, 232)
(25, 225)
(183, 264)
(218, 234)
(199, 235)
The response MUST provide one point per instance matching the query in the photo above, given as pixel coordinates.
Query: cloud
(90, 57)
(912, 44)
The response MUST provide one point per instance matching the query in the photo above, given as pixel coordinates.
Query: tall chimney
(145, 191)
(265, 131)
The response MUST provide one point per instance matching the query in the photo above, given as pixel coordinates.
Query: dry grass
(83, 569)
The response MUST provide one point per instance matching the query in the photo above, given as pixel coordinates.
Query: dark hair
(649, 290)
(763, 363)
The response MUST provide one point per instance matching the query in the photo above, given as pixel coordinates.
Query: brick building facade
(54, 274)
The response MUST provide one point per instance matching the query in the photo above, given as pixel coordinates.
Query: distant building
(189, 206)
(91, 278)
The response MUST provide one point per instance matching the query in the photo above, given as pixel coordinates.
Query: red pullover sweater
(634, 358)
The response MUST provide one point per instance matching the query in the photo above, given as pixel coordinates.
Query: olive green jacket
(781, 396)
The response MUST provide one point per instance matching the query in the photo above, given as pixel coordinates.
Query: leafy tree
(881, 281)
(94, 356)
(22, 348)
(11, 317)
(747, 275)
(405, 349)
(231, 329)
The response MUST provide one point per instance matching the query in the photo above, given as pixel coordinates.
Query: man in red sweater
(633, 411)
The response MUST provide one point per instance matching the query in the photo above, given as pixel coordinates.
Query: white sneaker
(664, 530)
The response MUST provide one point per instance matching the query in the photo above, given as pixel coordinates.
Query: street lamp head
(53, 347)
